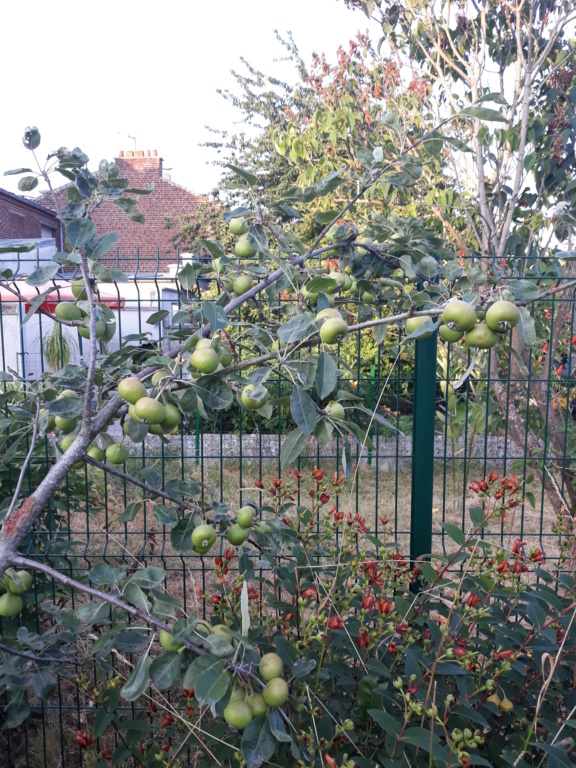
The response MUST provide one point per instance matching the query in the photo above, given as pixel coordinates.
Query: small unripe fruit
(64, 424)
(243, 249)
(414, 323)
(96, 453)
(333, 329)
(480, 337)
(225, 357)
(494, 699)
(66, 442)
(238, 714)
(78, 290)
(149, 410)
(327, 313)
(99, 330)
(203, 343)
(448, 334)
(249, 402)
(257, 704)
(25, 578)
(131, 389)
(133, 415)
(172, 417)
(459, 315)
(238, 226)
(10, 605)
(241, 284)
(203, 537)
(335, 410)
(168, 643)
(271, 666)
(506, 705)
(68, 310)
(237, 535)
(502, 316)
(245, 516)
(117, 454)
(205, 360)
(44, 414)
(159, 375)
(276, 692)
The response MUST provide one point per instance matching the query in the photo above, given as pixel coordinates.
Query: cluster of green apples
(204, 536)
(13, 585)
(209, 356)
(240, 283)
(161, 417)
(66, 428)
(71, 310)
(245, 705)
(480, 329)
(346, 286)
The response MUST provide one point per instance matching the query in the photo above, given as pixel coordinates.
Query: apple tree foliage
(371, 675)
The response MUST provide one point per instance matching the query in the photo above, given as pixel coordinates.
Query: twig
(34, 565)
(43, 659)
(26, 460)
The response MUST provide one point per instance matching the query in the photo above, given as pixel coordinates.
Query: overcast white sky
(93, 74)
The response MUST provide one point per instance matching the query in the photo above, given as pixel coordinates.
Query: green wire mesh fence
(438, 431)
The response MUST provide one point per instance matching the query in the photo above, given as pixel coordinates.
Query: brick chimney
(143, 162)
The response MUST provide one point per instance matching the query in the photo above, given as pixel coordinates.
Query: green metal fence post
(423, 447)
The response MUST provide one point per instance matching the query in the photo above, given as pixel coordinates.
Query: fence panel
(512, 414)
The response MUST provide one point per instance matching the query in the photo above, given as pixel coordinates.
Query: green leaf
(523, 289)
(93, 612)
(428, 267)
(138, 680)
(165, 515)
(258, 744)
(455, 533)
(292, 447)
(321, 284)
(136, 596)
(148, 577)
(277, 726)
(303, 410)
(387, 722)
(187, 277)
(165, 669)
(27, 183)
(157, 317)
(214, 392)
(137, 433)
(68, 407)
(297, 328)
(249, 178)
(43, 274)
(319, 189)
(101, 245)
(476, 515)
(181, 534)
(326, 375)
(35, 303)
(130, 512)
(43, 683)
(380, 332)
(31, 138)
(215, 316)
(484, 113)
(526, 328)
(103, 575)
(16, 171)
(80, 232)
(129, 208)
(209, 678)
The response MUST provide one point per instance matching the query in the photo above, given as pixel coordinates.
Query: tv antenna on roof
(133, 139)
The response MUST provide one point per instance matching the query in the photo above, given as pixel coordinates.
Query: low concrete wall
(212, 448)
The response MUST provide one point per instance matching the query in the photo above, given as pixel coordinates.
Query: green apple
(64, 424)
(96, 453)
(116, 453)
(249, 402)
(159, 375)
(131, 389)
(335, 410)
(238, 714)
(309, 295)
(205, 360)
(10, 605)
(414, 323)
(271, 666)
(480, 337)
(66, 442)
(99, 330)
(238, 226)
(150, 411)
(446, 333)
(167, 643)
(172, 417)
(333, 329)
(245, 516)
(241, 285)
(502, 316)
(68, 310)
(257, 704)
(225, 356)
(459, 315)
(132, 414)
(328, 313)
(237, 535)
(203, 343)
(203, 538)
(26, 582)
(45, 414)
(78, 290)
(276, 692)
(243, 248)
